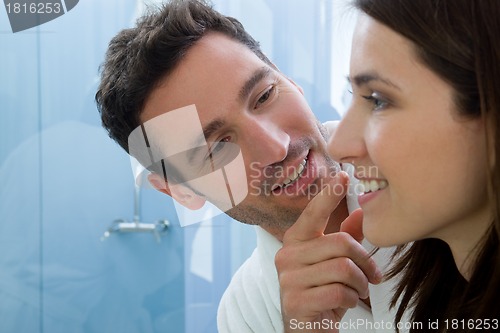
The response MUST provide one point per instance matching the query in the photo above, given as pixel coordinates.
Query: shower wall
(62, 184)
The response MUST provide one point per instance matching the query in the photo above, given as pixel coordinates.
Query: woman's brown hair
(459, 41)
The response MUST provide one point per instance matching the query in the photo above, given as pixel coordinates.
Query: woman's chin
(381, 237)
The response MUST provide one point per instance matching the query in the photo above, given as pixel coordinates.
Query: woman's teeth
(294, 175)
(366, 186)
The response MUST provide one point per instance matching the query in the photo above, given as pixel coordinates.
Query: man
(188, 58)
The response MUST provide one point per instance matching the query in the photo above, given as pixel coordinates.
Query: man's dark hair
(138, 58)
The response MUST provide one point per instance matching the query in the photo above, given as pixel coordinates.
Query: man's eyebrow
(365, 78)
(211, 128)
(250, 84)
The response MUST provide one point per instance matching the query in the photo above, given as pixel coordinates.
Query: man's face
(243, 101)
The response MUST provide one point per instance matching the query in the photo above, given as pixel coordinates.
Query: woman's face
(423, 165)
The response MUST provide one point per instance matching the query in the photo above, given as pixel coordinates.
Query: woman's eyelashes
(378, 102)
(376, 99)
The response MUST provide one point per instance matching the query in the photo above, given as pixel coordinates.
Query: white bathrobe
(251, 303)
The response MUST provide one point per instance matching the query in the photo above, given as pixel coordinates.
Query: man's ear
(181, 193)
(295, 84)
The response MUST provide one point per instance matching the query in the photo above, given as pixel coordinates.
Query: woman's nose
(346, 143)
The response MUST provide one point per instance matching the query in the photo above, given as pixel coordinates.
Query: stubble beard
(277, 216)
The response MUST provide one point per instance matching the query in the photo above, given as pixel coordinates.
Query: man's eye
(265, 96)
(221, 153)
(219, 146)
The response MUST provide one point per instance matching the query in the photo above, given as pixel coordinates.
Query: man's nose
(267, 142)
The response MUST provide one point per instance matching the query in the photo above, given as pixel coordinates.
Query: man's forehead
(213, 40)
(215, 52)
(214, 70)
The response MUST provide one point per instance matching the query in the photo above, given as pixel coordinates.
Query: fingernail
(341, 177)
(343, 174)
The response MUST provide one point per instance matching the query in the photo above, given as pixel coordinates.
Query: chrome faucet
(124, 226)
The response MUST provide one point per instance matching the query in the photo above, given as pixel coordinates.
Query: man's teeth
(372, 185)
(294, 175)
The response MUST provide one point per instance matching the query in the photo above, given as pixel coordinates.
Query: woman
(423, 135)
(422, 132)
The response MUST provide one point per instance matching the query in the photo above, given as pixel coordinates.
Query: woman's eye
(378, 102)
(265, 96)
